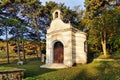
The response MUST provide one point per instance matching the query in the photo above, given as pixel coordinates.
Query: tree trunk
(18, 47)
(24, 57)
(7, 46)
(39, 44)
(39, 40)
(36, 52)
(103, 42)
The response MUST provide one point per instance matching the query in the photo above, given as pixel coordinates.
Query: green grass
(32, 68)
(93, 71)
(2, 68)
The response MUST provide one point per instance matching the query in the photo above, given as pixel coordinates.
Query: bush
(116, 54)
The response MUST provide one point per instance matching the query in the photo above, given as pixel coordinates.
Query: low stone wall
(16, 74)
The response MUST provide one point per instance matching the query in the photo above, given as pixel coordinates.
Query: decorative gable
(57, 23)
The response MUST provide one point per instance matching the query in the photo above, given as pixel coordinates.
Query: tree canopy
(102, 18)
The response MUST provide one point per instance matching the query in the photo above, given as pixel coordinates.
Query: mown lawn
(93, 71)
(32, 68)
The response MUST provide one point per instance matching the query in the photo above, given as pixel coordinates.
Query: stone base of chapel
(54, 66)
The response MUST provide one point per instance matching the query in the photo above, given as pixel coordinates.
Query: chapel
(65, 44)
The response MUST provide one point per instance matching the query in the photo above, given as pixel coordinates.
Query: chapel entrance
(58, 52)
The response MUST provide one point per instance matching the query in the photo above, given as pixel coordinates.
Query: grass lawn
(32, 68)
(92, 71)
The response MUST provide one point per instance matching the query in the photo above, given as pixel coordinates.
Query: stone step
(54, 66)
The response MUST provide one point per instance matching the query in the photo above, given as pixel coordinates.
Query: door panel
(58, 52)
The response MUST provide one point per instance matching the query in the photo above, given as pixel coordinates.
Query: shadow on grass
(105, 71)
(33, 72)
(84, 75)
(109, 70)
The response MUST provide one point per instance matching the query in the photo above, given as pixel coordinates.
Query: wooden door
(58, 52)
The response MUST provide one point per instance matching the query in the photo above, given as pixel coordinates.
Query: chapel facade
(64, 43)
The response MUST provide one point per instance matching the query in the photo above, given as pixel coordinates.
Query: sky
(69, 3)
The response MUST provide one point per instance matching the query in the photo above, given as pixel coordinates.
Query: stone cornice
(68, 29)
(62, 30)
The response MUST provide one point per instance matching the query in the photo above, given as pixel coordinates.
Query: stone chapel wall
(81, 55)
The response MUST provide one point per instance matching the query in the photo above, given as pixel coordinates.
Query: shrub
(116, 54)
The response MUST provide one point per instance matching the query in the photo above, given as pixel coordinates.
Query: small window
(85, 46)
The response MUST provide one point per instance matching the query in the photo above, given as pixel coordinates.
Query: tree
(8, 23)
(101, 16)
(114, 38)
(11, 9)
(32, 11)
(102, 25)
(23, 29)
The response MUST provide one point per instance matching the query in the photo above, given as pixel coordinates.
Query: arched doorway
(58, 52)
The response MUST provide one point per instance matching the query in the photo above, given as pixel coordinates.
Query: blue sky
(70, 3)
